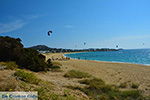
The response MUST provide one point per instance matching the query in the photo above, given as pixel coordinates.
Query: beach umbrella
(49, 33)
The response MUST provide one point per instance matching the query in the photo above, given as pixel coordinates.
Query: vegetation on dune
(93, 82)
(27, 58)
(98, 90)
(134, 85)
(45, 94)
(32, 60)
(8, 65)
(10, 49)
(26, 76)
(123, 85)
(76, 74)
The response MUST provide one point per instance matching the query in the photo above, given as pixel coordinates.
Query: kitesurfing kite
(49, 33)
(143, 44)
(117, 46)
(84, 43)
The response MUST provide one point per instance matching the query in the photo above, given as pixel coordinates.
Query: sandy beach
(111, 73)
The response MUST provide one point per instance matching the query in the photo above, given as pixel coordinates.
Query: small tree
(10, 49)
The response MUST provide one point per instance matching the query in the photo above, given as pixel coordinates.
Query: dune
(111, 73)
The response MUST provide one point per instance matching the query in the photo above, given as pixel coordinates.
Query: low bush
(55, 69)
(123, 85)
(92, 82)
(26, 76)
(134, 86)
(76, 74)
(32, 60)
(9, 65)
(131, 95)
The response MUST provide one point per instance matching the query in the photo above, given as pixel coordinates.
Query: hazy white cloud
(68, 26)
(18, 23)
(129, 41)
(33, 16)
(132, 37)
(11, 26)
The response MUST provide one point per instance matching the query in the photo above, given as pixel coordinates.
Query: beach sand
(111, 73)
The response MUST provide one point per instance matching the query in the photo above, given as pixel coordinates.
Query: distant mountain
(41, 47)
(44, 48)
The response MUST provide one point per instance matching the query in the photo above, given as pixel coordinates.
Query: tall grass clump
(26, 76)
(46, 94)
(134, 85)
(8, 65)
(76, 74)
(123, 85)
(54, 66)
(131, 95)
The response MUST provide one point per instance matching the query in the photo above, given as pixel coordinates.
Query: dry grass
(9, 84)
(7, 81)
(56, 63)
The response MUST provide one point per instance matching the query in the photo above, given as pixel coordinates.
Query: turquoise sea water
(136, 56)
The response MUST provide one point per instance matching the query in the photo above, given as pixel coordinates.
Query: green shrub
(76, 74)
(32, 60)
(135, 86)
(55, 69)
(26, 76)
(11, 49)
(92, 82)
(9, 65)
(45, 94)
(131, 95)
(123, 85)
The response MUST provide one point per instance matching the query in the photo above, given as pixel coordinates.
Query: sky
(99, 23)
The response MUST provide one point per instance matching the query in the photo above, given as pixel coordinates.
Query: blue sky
(99, 23)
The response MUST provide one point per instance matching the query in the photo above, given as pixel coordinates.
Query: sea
(135, 56)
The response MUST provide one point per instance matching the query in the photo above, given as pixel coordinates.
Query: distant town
(46, 49)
